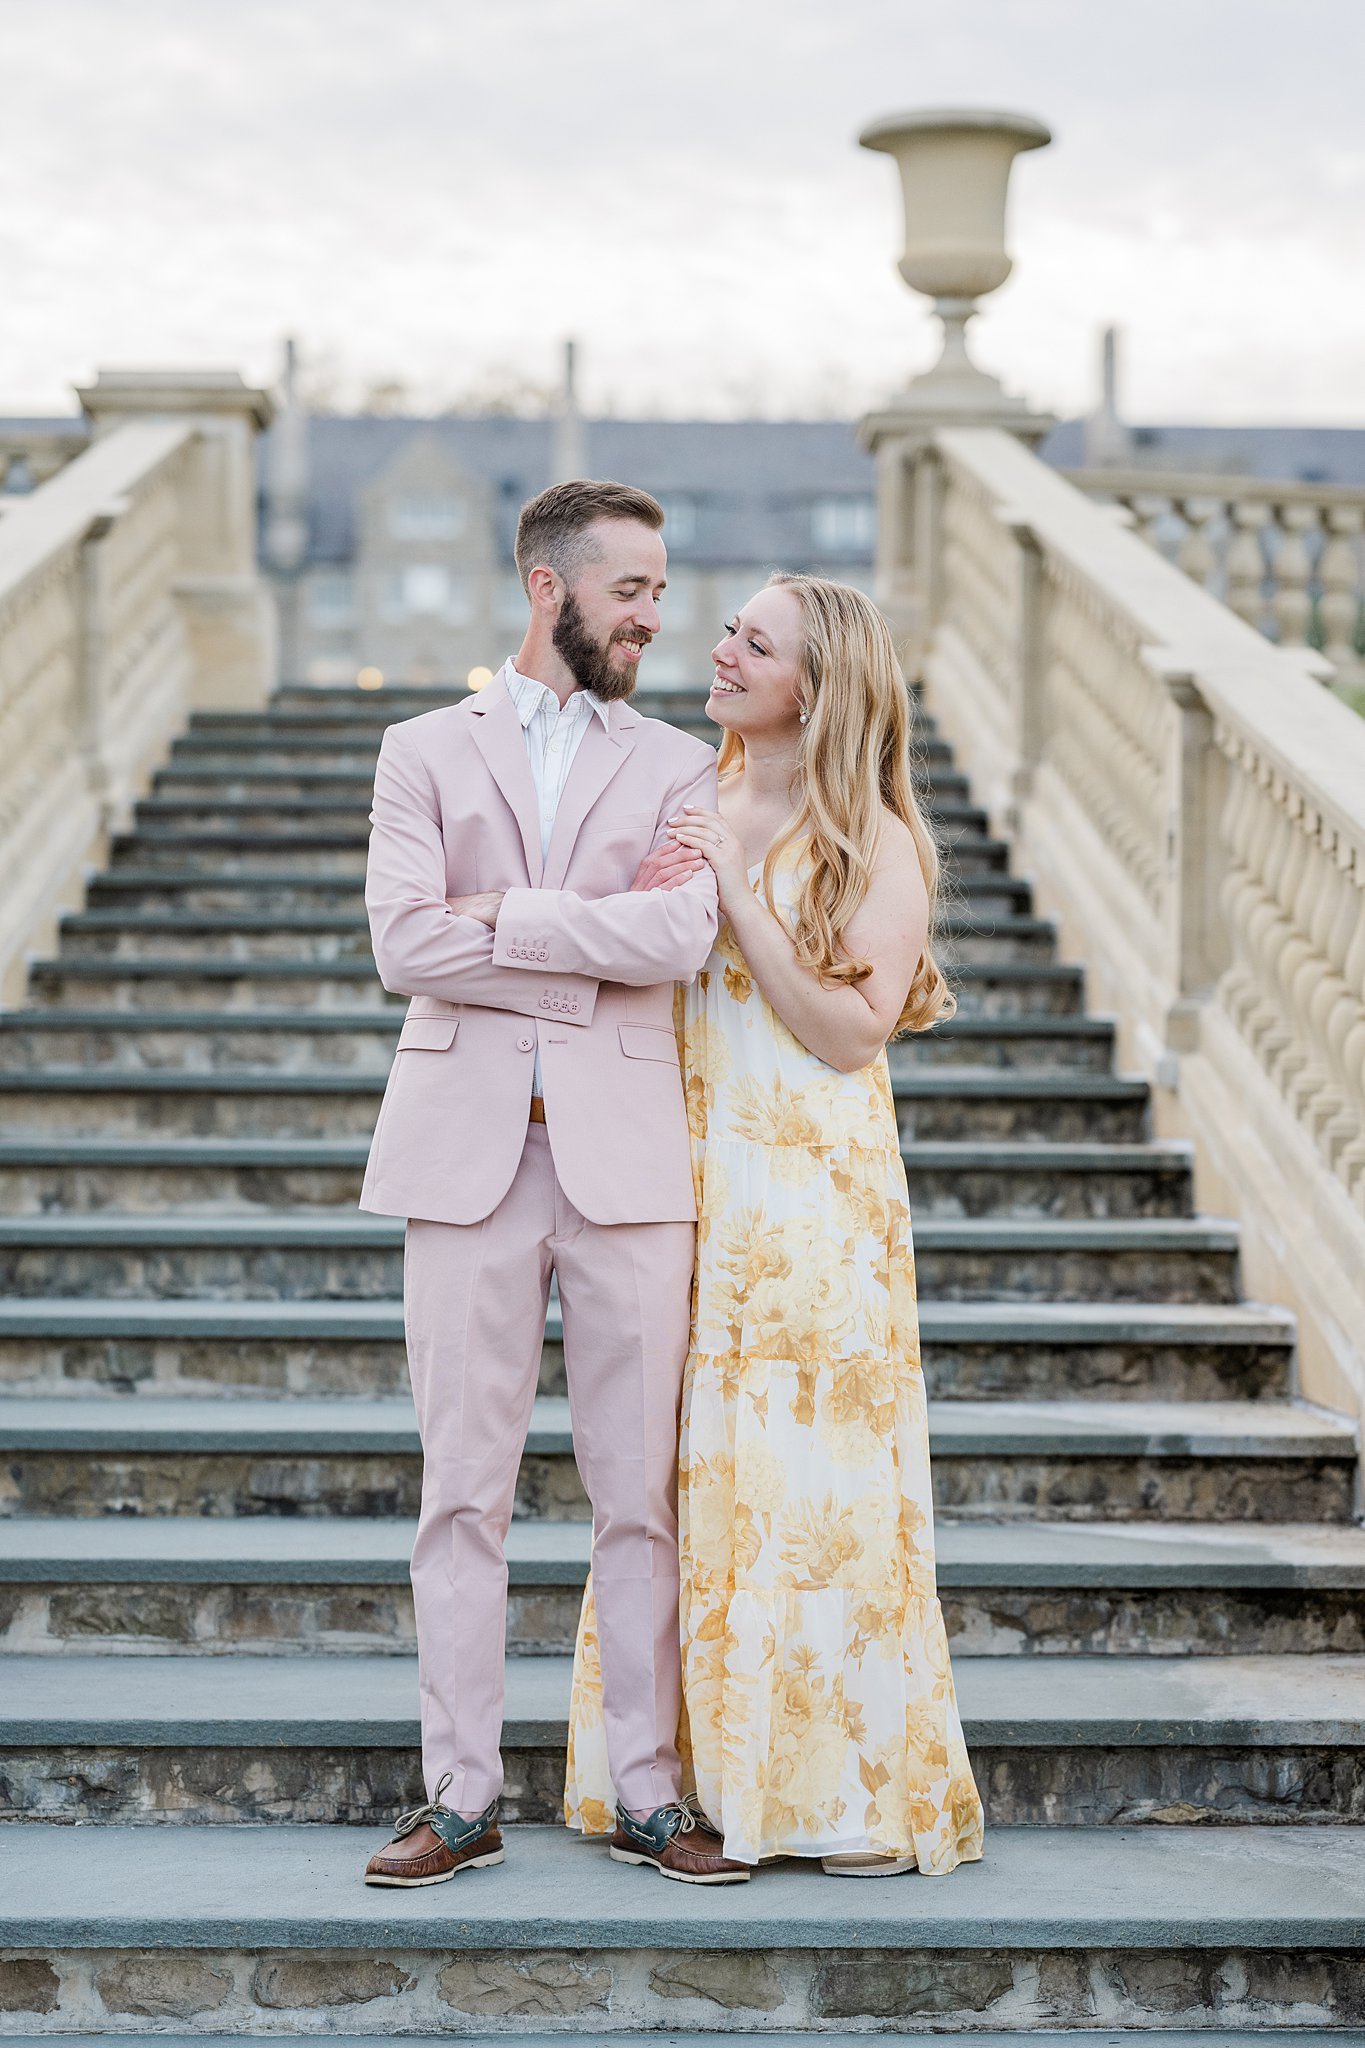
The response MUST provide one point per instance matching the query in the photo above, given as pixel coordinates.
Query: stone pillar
(954, 168)
(228, 613)
(286, 515)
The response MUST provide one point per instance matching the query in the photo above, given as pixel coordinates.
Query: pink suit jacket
(578, 967)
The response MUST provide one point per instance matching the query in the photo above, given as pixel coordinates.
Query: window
(426, 516)
(680, 520)
(331, 600)
(427, 590)
(844, 526)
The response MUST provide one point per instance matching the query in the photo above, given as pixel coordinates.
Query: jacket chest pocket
(616, 845)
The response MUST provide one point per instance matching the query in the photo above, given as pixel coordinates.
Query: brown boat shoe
(679, 1842)
(431, 1843)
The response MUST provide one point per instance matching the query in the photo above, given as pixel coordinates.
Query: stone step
(1100, 1461)
(1045, 1350)
(1238, 2037)
(998, 988)
(319, 1584)
(355, 751)
(258, 1930)
(343, 853)
(331, 854)
(951, 1104)
(366, 717)
(363, 1040)
(280, 815)
(327, 1256)
(146, 1174)
(323, 935)
(1069, 1741)
(258, 781)
(203, 891)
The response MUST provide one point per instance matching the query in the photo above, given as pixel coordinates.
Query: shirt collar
(531, 697)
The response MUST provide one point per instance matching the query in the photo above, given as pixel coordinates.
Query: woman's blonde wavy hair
(854, 758)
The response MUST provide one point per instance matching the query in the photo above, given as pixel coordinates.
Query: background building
(389, 540)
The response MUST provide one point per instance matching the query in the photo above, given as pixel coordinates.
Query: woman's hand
(666, 867)
(706, 833)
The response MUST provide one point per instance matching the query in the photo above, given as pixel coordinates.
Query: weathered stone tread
(1151, 1429)
(359, 1550)
(371, 1701)
(1080, 1323)
(1075, 1888)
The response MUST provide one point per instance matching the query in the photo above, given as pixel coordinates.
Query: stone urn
(955, 171)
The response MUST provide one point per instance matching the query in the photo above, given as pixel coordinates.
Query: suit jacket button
(525, 1044)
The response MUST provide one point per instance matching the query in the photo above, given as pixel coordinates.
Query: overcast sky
(437, 191)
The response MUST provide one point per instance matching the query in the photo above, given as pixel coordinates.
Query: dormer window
(844, 526)
(427, 515)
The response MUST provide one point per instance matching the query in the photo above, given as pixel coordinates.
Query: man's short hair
(552, 532)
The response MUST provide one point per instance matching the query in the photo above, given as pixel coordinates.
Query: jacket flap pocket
(649, 1042)
(428, 1034)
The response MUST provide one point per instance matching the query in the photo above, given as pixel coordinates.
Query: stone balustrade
(1289, 558)
(1190, 805)
(31, 453)
(128, 595)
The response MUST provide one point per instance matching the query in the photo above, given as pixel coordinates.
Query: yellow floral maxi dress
(819, 1696)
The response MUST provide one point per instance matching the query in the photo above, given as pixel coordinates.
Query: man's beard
(589, 661)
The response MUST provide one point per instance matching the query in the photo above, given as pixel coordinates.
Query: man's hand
(485, 906)
(667, 867)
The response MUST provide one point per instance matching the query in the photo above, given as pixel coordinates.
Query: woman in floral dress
(821, 1718)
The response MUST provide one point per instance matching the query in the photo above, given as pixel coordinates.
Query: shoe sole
(411, 1884)
(899, 1867)
(680, 1876)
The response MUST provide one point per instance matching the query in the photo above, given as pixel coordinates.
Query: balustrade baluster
(1292, 570)
(1195, 553)
(1246, 560)
(1150, 510)
(1339, 576)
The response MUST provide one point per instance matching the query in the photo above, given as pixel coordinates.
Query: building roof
(1315, 455)
(751, 481)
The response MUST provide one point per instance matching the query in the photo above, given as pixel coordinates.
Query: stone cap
(118, 394)
(884, 132)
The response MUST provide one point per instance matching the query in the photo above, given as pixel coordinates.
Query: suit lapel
(600, 754)
(499, 738)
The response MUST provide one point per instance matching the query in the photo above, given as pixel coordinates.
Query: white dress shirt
(553, 737)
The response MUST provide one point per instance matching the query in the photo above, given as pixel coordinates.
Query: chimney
(1106, 437)
(570, 455)
(286, 527)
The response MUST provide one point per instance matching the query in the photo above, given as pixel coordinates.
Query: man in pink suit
(533, 1123)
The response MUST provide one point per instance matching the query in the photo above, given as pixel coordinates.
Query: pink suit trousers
(475, 1298)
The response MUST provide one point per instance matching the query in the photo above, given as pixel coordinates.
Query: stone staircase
(1148, 1556)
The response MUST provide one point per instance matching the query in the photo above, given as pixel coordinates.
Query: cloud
(431, 191)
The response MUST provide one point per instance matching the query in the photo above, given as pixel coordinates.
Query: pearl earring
(803, 718)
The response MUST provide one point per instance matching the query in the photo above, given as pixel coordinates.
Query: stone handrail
(1286, 557)
(128, 596)
(1191, 806)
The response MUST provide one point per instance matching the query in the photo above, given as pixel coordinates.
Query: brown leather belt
(537, 1109)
